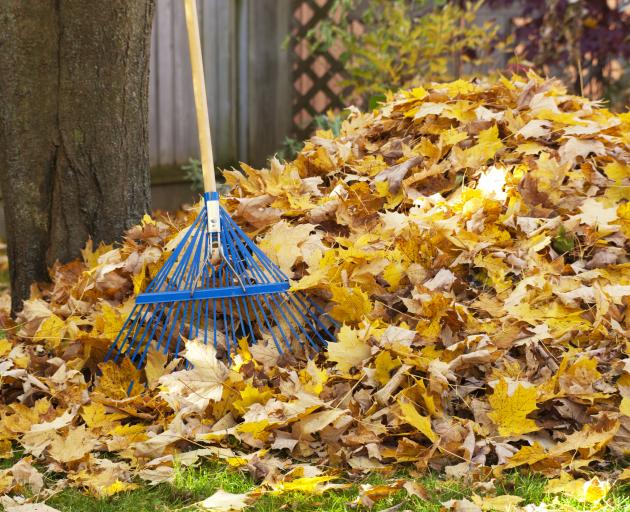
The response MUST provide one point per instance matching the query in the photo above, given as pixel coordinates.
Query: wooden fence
(248, 74)
(263, 84)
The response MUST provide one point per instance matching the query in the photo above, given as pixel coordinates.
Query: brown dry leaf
(156, 366)
(462, 505)
(503, 503)
(370, 494)
(31, 507)
(222, 501)
(192, 390)
(24, 474)
(73, 446)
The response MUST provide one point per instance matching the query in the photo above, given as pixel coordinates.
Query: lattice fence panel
(317, 76)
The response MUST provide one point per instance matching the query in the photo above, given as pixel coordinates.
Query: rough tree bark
(73, 127)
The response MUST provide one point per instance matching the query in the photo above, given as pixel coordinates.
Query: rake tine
(141, 343)
(297, 323)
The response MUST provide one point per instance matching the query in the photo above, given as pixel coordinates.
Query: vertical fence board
(248, 80)
(242, 85)
(219, 48)
(269, 77)
(165, 78)
(184, 123)
(225, 70)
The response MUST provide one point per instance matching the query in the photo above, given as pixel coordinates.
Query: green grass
(192, 485)
(195, 484)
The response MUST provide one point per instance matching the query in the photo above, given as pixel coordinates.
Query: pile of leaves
(471, 238)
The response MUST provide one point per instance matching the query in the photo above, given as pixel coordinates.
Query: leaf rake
(217, 284)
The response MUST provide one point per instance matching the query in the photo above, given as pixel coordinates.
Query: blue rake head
(220, 286)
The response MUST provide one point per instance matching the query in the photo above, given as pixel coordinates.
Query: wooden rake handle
(201, 104)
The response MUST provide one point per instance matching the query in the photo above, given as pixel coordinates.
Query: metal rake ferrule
(240, 294)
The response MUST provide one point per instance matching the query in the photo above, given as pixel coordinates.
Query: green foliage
(392, 44)
(330, 121)
(290, 148)
(193, 174)
(563, 242)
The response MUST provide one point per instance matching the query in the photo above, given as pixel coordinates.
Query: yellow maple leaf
(118, 382)
(617, 171)
(155, 367)
(624, 407)
(370, 165)
(307, 484)
(417, 93)
(393, 273)
(319, 162)
(5, 347)
(416, 420)
(620, 191)
(95, 415)
(580, 376)
(623, 212)
(237, 462)
(6, 449)
(496, 269)
(488, 143)
(585, 491)
(6, 481)
(252, 395)
(590, 440)
(527, 455)
(350, 350)
(51, 330)
(131, 433)
(568, 118)
(351, 304)
(138, 281)
(384, 364)
(452, 136)
(91, 256)
(458, 87)
(509, 411)
(108, 323)
(313, 379)
(463, 111)
(146, 219)
(116, 487)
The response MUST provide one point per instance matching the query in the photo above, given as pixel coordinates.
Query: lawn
(192, 485)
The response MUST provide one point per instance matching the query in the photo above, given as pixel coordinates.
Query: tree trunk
(73, 127)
